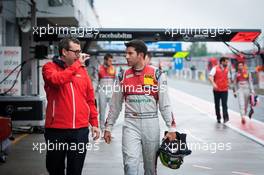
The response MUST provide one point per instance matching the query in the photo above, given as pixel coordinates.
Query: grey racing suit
(244, 88)
(104, 90)
(141, 131)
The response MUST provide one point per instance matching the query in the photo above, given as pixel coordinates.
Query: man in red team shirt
(220, 77)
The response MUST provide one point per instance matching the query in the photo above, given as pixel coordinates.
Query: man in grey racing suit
(144, 90)
(106, 78)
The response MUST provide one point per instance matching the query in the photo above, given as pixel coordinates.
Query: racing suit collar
(138, 70)
(105, 66)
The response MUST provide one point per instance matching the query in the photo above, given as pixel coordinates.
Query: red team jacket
(70, 95)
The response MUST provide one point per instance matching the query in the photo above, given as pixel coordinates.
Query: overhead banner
(55, 33)
(10, 57)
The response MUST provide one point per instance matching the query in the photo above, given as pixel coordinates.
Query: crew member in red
(212, 63)
(70, 110)
(148, 59)
(219, 77)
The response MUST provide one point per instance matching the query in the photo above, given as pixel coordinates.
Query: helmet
(171, 153)
(168, 158)
(253, 100)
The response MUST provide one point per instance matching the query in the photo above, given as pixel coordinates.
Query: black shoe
(226, 120)
(218, 121)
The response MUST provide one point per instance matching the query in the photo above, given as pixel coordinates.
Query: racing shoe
(243, 120)
(226, 120)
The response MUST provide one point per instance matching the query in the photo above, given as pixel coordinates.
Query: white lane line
(250, 136)
(188, 103)
(240, 173)
(202, 167)
(211, 105)
(188, 132)
(237, 114)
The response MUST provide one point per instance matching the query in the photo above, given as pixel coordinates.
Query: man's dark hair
(139, 45)
(65, 43)
(107, 56)
(149, 55)
(240, 62)
(237, 63)
(223, 59)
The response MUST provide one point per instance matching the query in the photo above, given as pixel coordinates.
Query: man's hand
(171, 136)
(107, 137)
(83, 58)
(95, 133)
(235, 94)
(215, 86)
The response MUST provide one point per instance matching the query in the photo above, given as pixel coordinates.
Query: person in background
(106, 79)
(219, 77)
(148, 58)
(243, 89)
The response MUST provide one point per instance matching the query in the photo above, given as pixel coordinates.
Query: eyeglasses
(77, 52)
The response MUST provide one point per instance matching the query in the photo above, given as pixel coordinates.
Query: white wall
(66, 10)
(81, 10)
(85, 14)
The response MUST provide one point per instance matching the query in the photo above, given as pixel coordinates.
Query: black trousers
(223, 96)
(66, 143)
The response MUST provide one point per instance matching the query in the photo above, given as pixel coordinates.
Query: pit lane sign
(178, 63)
(10, 57)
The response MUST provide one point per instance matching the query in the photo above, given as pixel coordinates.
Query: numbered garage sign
(10, 57)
